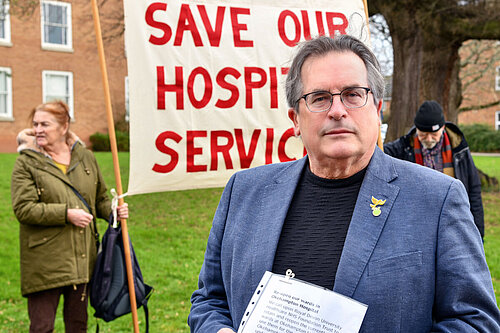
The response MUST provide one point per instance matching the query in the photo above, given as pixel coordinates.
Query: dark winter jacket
(54, 252)
(464, 167)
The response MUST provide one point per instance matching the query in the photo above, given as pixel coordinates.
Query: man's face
(430, 139)
(338, 134)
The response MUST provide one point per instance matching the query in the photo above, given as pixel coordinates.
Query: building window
(58, 86)
(497, 79)
(4, 23)
(5, 94)
(56, 25)
(497, 120)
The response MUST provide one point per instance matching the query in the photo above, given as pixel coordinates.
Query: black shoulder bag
(109, 293)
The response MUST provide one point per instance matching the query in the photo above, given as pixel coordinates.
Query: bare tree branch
(479, 107)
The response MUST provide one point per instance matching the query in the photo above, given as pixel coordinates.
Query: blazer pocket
(395, 263)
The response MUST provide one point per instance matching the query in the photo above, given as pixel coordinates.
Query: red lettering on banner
(321, 27)
(274, 87)
(216, 148)
(336, 27)
(224, 149)
(213, 34)
(237, 27)
(192, 151)
(250, 85)
(305, 25)
(162, 88)
(269, 146)
(167, 32)
(281, 146)
(187, 23)
(174, 157)
(254, 78)
(246, 158)
(281, 27)
(207, 94)
(235, 94)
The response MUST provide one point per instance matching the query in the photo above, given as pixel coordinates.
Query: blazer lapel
(273, 208)
(366, 225)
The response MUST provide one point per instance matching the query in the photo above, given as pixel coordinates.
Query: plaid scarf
(446, 156)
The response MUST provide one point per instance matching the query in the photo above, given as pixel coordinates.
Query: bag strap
(90, 211)
(146, 313)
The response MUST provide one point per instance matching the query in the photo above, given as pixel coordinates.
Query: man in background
(441, 146)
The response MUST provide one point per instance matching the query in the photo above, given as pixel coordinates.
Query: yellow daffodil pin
(374, 205)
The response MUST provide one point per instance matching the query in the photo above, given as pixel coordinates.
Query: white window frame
(69, 97)
(5, 40)
(8, 115)
(497, 120)
(497, 79)
(68, 47)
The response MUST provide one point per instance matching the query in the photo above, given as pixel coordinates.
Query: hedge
(100, 141)
(481, 138)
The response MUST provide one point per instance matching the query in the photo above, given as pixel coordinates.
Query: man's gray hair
(322, 45)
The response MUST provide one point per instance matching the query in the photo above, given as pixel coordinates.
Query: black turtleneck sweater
(315, 227)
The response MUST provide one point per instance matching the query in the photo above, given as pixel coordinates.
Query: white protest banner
(206, 79)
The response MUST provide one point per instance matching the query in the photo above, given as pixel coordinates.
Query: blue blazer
(419, 265)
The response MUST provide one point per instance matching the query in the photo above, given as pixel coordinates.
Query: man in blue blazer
(393, 235)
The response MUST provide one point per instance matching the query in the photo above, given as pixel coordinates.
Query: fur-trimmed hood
(26, 140)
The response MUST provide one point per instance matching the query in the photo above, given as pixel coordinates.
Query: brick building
(51, 53)
(480, 82)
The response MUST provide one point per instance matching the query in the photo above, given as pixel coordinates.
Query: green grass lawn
(488, 164)
(169, 232)
(491, 204)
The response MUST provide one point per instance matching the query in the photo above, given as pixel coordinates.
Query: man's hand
(79, 217)
(225, 330)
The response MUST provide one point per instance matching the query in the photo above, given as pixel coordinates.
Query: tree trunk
(406, 40)
(404, 101)
(439, 79)
(426, 66)
(426, 37)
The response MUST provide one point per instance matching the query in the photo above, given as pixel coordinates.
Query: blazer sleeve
(464, 299)
(210, 308)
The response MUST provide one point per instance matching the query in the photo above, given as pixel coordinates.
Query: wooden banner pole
(116, 164)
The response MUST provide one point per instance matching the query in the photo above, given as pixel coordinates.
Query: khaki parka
(54, 252)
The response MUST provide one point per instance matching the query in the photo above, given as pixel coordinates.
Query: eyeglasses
(321, 101)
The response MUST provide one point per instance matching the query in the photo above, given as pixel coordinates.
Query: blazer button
(81, 231)
(83, 255)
